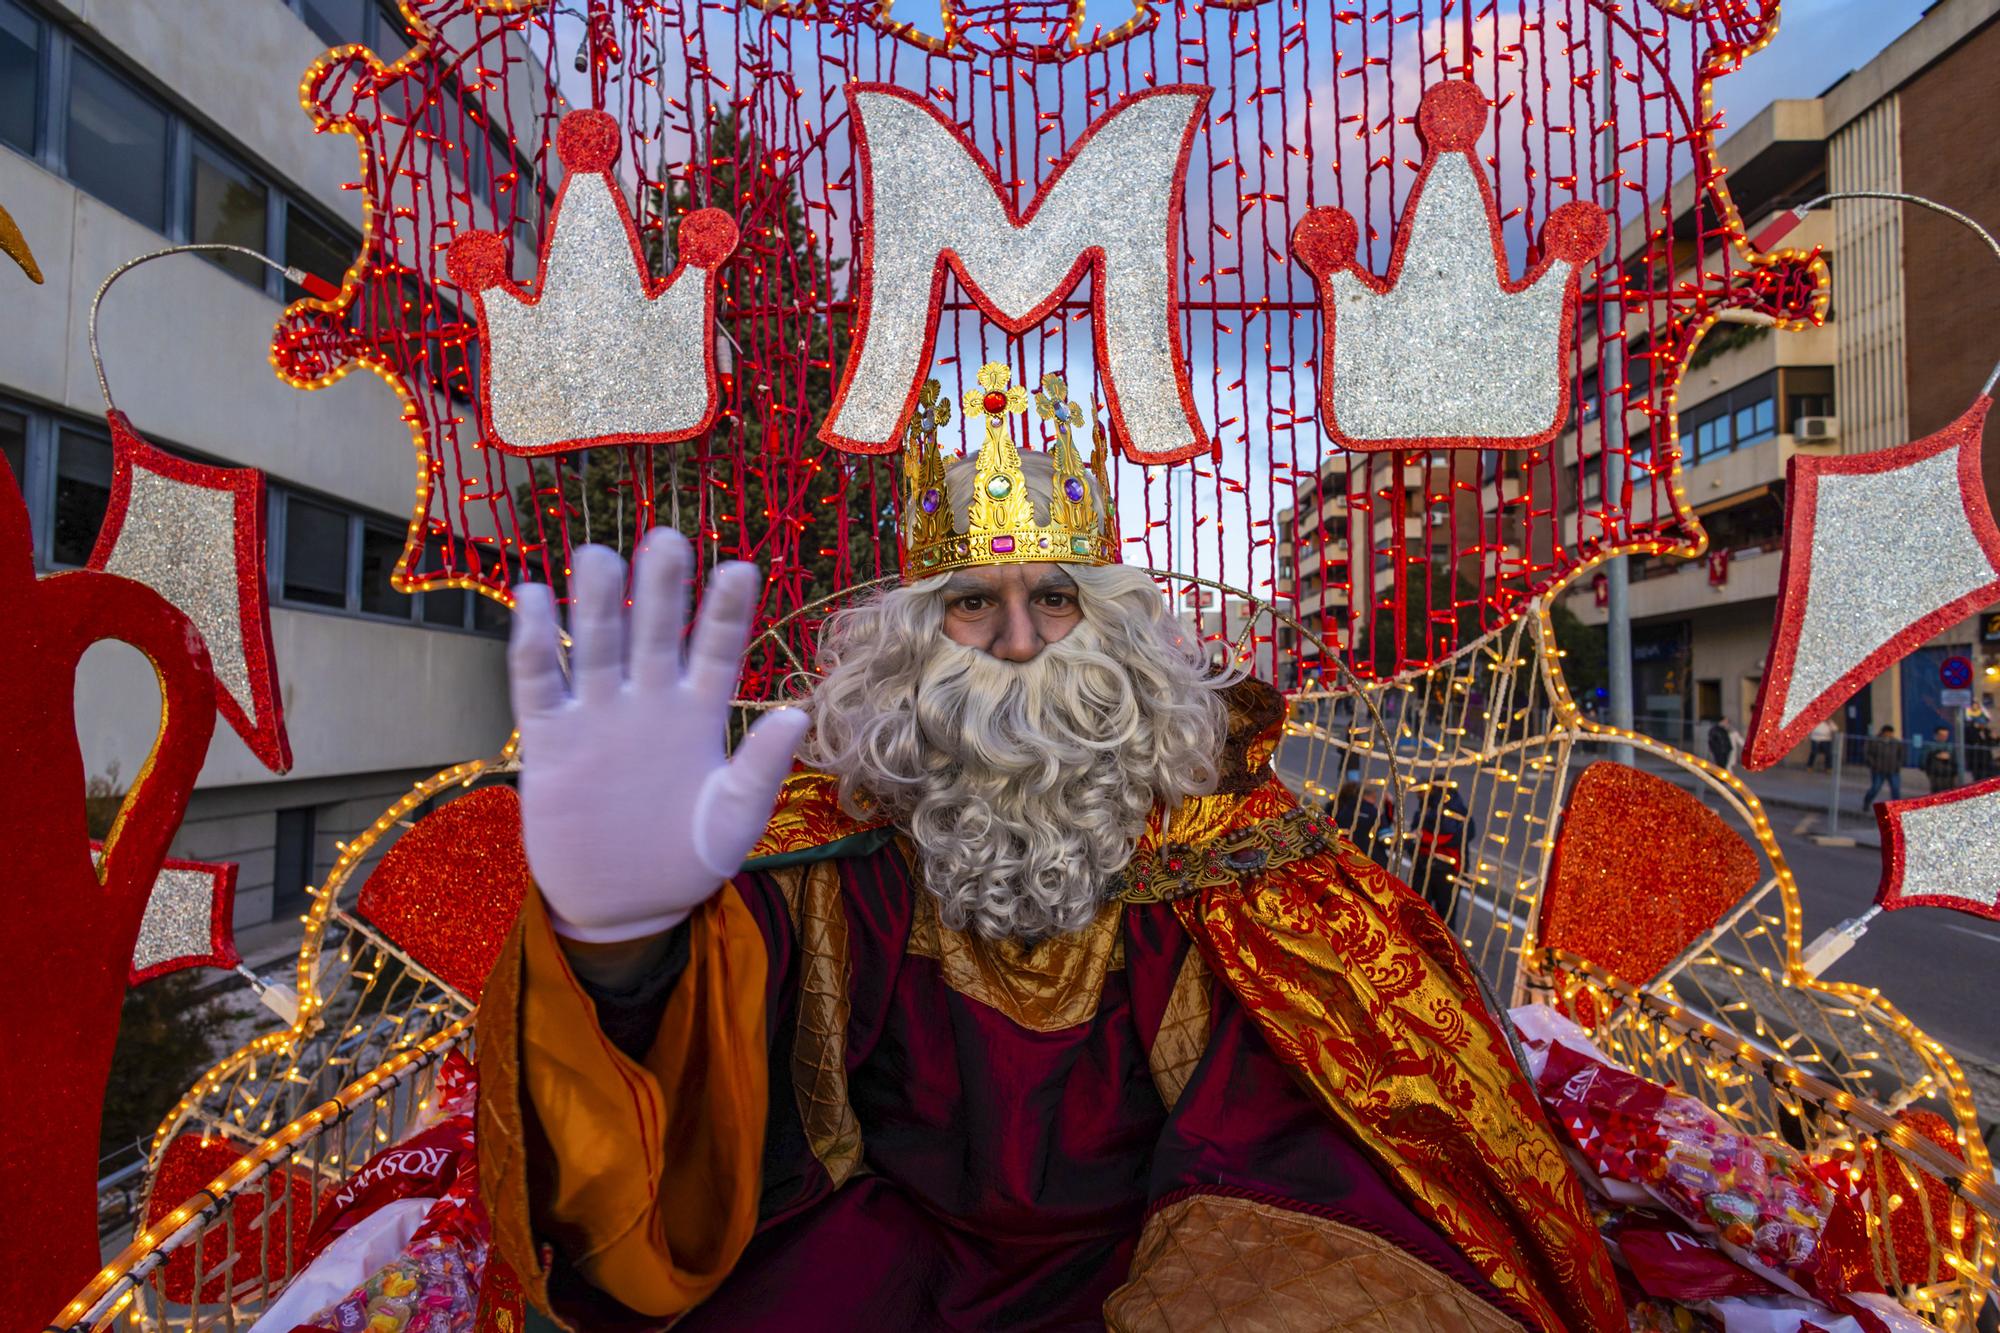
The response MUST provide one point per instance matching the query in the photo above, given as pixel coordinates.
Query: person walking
(1884, 757)
(1941, 764)
(1979, 740)
(1725, 742)
(1822, 737)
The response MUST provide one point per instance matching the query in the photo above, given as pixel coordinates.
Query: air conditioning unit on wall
(1816, 430)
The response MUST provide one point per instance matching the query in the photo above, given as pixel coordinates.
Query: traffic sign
(1954, 698)
(1955, 672)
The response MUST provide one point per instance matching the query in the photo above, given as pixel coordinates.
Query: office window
(442, 606)
(1589, 399)
(20, 76)
(14, 444)
(336, 22)
(1756, 422)
(315, 557)
(315, 247)
(380, 548)
(488, 616)
(229, 206)
(83, 491)
(117, 144)
(390, 41)
(292, 861)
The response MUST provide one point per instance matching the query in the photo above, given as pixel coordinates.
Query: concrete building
(1898, 358)
(128, 124)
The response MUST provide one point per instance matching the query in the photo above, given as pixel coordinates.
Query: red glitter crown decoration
(556, 370)
(1446, 351)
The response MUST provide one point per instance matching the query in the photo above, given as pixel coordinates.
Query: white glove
(633, 812)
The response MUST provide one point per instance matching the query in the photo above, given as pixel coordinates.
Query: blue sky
(1818, 41)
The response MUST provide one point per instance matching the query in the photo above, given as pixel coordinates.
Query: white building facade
(127, 125)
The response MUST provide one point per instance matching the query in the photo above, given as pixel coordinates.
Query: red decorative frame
(1452, 116)
(1770, 742)
(265, 733)
(587, 143)
(1889, 894)
(1091, 260)
(221, 919)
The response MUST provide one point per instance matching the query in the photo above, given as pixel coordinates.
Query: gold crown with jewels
(1082, 525)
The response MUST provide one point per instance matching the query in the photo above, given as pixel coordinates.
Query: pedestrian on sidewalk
(1822, 745)
(1725, 742)
(1979, 723)
(1884, 757)
(1941, 765)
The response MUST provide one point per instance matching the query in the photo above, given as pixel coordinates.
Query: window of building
(337, 22)
(127, 148)
(14, 445)
(116, 142)
(488, 616)
(442, 606)
(20, 77)
(1756, 422)
(380, 549)
(314, 246)
(315, 560)
(292, 860)
(231, 207)
(83, 492)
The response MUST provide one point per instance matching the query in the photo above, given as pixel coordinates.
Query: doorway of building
(1707, 700)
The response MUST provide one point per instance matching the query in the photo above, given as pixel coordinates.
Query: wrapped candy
(1758, 1198)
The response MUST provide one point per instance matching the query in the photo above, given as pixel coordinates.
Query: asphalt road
(1941, 968)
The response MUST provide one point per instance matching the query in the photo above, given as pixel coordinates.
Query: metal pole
(1958, 742)
(1618, 610)
(1833, 795)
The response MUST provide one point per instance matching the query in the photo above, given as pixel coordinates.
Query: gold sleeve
(645, 1176)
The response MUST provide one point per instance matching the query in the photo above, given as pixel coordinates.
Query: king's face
(1011, 611)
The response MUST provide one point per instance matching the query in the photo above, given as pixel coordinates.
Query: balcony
(1684, 589)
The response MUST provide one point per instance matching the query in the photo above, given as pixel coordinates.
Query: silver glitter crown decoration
(1446, 352)
(599, 353)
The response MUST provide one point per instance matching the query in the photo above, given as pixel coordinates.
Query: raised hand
(633, 811)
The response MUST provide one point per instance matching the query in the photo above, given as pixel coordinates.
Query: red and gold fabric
(964, 1134)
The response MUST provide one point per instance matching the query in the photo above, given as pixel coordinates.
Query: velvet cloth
(1006, 1171)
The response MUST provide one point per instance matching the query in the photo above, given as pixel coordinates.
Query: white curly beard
(1024, 786)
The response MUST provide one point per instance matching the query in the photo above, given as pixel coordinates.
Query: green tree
(1585, 662)
(168, 1033)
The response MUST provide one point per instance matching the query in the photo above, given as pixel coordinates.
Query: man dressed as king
(1029, 998)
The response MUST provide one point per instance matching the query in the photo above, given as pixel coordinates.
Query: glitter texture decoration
(73, 924)
(447, 893)
(1446, 352)
(1111, 207)
(599, 354)
(195, 534)
(189, 920)
(1849, 601)
(1942, 850)
(1641, 870)
(270, 1221)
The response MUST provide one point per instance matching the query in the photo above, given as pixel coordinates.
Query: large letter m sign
(929, 201)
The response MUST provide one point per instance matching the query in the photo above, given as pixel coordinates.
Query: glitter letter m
(929, 200)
